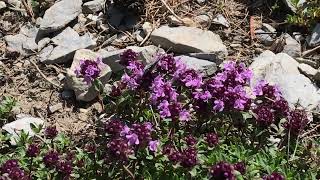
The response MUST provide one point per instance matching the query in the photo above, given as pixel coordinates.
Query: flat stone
(15, 43)
(282, 70)
(23, 123)
(43, 43)
(263, 37)
(315, 36)
(147, 28)
(206, 56)
(207, 68)
(268, 28)
(45, 53)
(93, 6)
(2, 5)
(55, 108)
(68, 41)
(292, 47)
(60, 14)
(83, 91)
(146, 54)
(221, 20)
(189, 40)
(309, 71)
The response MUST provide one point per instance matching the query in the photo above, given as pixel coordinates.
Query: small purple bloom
(132, 139)
(89, 70)
(153, 145)
(184, 115)
(125, 131)
(164, 109)
(239, 104)
(218, 105)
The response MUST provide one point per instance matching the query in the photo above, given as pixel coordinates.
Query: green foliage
(6, 105)
(306, 15)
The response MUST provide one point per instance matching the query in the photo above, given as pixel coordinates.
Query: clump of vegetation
(307, 14)
(166, 121)
(6, 105)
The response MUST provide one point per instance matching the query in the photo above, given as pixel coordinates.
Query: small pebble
(55, 108)
(67, 94)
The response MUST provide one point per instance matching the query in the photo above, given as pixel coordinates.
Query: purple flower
(114, 126)
(125, 131)
(166, 63)
(127, 57)
(164, 109)
(132, 139)
(264, 115)
(212, 139)
(129, 81)
(51, 132)
(202, 95)
(189, 157)
(153, 145)
(162, 91)
(191, 78)
(33, 150)
(51, 159)
(240, 167)
(65, 167)
(9, 165)
(240, 104)
(184, 115)
(190, 140)
(218, 105)
(223, 171)
(89, 70)
(297, 120)
(119, 148)
(17, 173)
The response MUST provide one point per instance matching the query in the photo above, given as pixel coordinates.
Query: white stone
(188, 40)
(147, 28)
(146, 54)
(43, 43)
(282, 70)
(60, 14)
(315, 36)
(2, 5)
(23, 123)
(309, 71)
(93, 6)
(207, 68)
(68, 41)
(292, 47)
(221, 20)
(83, 91)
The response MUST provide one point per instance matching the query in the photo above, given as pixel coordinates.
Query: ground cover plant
(166, 121)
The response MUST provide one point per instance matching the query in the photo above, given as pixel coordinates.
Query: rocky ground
(41, 46)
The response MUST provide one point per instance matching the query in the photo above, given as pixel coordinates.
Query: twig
(28, 9)
(309, 52)
(312, 130)
(171, 11)
(146, 38)
(36, 66)
(128, 171)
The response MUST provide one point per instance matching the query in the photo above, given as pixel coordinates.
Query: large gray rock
(60, 14)
(93, 6)
(263, 37)
(23, 123)
(146, 54)
(83, 91)
(189, 40)
(67, 42)
(315, 36)
(207, 68)
(25, 41)
(282, 70)
(292, 47)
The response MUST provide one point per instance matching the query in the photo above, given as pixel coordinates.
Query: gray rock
(201, 1)
(292, 47)
(146, 54)
(139, 35)
(268, 28)
(15, 3)
(315, 36)
(60, 14)
(93, 6)
(207, 68)
(67, 94)
(68, 41)
(203, 20)
(23, 123)
(45, 53)
(15, 42)
(309, 71)
(43, 43)
(282, 70)
(206, 56)
(2, 5)
(264, 37)
(189, 40)
(221, 20)
(83, 91)
(55, 108)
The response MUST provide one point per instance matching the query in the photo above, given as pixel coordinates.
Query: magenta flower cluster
(89, 70)
(125, 139)
(12, 169)
(274, 176)
(226, 171)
